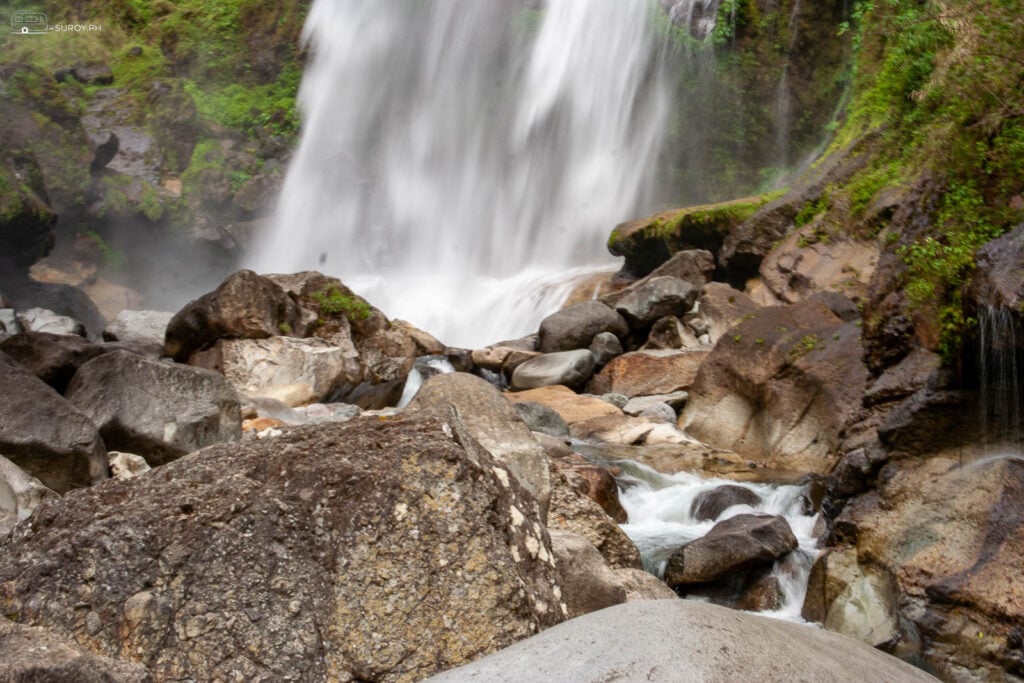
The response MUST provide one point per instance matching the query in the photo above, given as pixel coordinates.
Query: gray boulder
(684, 640)
(574, 327)
(655, 298)
(570, 368)
(149, 327)
(735, 546)
(44, 434)
(8, 321)
(156, 409)
(371, 549)
(492, 421)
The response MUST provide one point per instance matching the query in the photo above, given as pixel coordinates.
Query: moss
(333, 303)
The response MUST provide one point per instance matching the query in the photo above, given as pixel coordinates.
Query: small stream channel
(661, 519)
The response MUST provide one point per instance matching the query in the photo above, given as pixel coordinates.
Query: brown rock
(779, 388)
(595, 482)
(260, 423)
(571, 406)
(244, 306)
(643, 373)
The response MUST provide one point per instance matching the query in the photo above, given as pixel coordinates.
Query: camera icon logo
(29, 21)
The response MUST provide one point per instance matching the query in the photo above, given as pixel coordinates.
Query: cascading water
(1001, 371)
(460, 159)
(661, 520)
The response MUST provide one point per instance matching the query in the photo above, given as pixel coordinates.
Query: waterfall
(1001, 374)
(460, 159)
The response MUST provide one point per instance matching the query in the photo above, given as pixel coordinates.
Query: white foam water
(457, 158)
(660, 521)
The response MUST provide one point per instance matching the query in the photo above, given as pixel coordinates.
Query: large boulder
(721, 307)
(655, 298)
(646, 373)
(569, 368)
(44, 434)
(735, 546)
(244, 306)
(260, 367)
(779, 388)
(333, 312)
(576, 326)
(649, 242)
(860, 602)
(684, 640)
(494, 423)
(156, 409)
(948, 537)
(371, 550)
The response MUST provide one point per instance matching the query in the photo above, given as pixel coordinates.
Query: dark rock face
(245, 306)
(576, 326)
(736, 545)
(999, 281)
(44, 434)
(372, 550)
(37, 655)
(158, 410)
(950, 534)
(61, 299)
(708, 505)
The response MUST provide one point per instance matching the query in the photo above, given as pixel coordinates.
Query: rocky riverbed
(228, 492)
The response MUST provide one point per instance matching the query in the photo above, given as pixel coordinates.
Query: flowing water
(1001, 371)
(458, 159)
(660, 521)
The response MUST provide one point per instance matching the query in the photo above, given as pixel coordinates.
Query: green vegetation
(942, 83)
(333, 303)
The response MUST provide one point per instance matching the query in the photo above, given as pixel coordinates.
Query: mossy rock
(649, 242)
